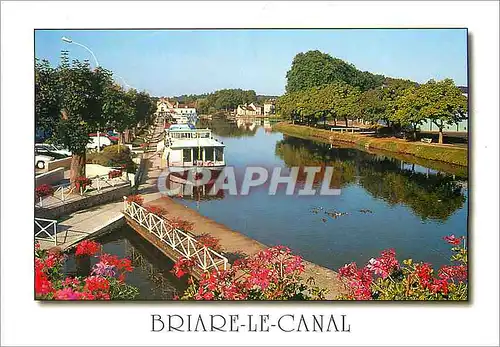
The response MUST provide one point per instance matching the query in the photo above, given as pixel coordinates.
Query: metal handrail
(51, 225)
(183, 243)
(64, 192)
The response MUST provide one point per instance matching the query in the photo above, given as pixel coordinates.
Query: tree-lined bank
(321, 88)
(451, 155)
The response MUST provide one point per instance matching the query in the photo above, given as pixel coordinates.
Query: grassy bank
(456, 156)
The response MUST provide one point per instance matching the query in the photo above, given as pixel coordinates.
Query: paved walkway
(82, 224)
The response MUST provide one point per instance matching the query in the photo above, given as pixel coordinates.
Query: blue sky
(175, 62)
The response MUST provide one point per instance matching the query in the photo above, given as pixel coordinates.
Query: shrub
(105, 283)
(44, 190)
(113, 156)
(272, 274)
(384, 278)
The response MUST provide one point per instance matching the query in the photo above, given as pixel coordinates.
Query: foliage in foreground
(106, 282)
(271, 274)
(384, 278)
(275, 274)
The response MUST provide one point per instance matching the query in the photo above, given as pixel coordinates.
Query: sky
(176, 62)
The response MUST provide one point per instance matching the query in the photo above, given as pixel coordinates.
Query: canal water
(385, 202)
(151, 272)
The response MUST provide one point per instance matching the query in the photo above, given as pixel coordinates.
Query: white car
(101, 141)
(50, 148)
(42, 160)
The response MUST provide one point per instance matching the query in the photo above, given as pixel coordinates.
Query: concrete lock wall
(59, 163)
(111, 195)
(52, 177)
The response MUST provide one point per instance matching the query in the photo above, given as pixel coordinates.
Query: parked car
(50, 149)
(41, 160)
(102, 141)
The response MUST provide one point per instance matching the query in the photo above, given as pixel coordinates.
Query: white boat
(185, 146)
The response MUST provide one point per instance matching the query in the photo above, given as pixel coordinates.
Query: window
(197, 154)
(209, 153)
(218, 154)
(186, 155)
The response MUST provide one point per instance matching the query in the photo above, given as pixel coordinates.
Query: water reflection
(151, 272)
(429, 193)
(238, 126)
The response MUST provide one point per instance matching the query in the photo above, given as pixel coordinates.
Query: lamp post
(70, 41)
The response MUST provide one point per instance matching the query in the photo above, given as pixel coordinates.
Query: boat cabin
(186, 146)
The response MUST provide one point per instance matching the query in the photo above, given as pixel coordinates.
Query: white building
(249, 110)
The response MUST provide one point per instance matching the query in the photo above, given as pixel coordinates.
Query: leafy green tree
(444, 104)
(46, 96)
(81, 104)
(74, 100)
(316, 69)
(391, 91)
(371, 106)
(409, 109)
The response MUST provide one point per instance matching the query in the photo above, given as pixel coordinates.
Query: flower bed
(114, 174)
(384, 278)
(82, 182)
(272, 274)
(44, 190)
(275, 274)
(139, 200)
(106, 281)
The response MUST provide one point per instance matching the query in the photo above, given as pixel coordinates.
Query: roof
(464, 89)
(180, 127)
(203, 142)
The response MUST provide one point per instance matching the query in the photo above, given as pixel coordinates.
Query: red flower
(96, 283)
(453, 272)
(44, 190)
(115, 173)
(135, 198)
(87, 247)
(424, 272)
(209, 241)
(182, 266)
(453, 240)
(439, 286)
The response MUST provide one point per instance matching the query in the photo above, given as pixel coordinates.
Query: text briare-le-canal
(251, 323)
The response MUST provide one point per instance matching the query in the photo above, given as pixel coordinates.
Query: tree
(444, 104)
(347, 101)
(47, 109)
(316, 69)
(73, 100)
(409, 109)
(81, 102)
(391, 91)
(371, 105)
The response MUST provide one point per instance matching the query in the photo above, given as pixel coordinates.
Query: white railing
(65, 192)
(183, 243)
(46, 227)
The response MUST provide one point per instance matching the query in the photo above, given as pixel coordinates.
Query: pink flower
(66, 294)
(453, 272)
(453, 240)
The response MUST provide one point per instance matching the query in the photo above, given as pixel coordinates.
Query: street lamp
(125, 83)
(70, 41)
